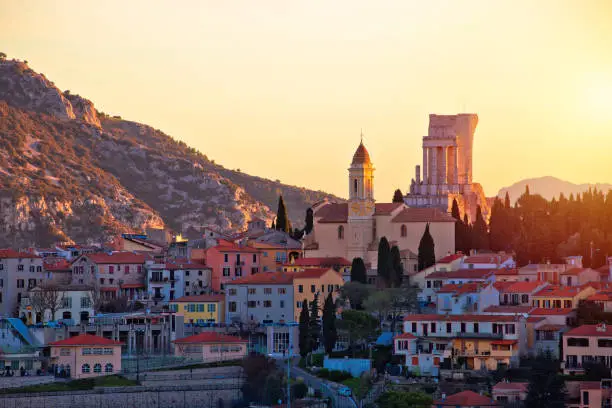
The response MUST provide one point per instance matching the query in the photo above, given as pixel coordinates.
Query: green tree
(358, 271)
(427, 253)
(461, 233)
(304, 328)
(355, 293)
(330, 333)
(315, 324)
(361, 327)
(480, 233)
(299, 391)
(546, 387)
(398, 197)
(379, 303)
(401, 399)
(397, 268)
(282, 220)
(261, 373)
(384, 266)
(309, 222)
(500, 234)
(2, 56)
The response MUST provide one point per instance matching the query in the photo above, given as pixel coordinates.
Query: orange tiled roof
(522, 287)
(187, 265)
(11, 253)
(551, 327)
(405, 336)
(86, 340)
(461, 288)
(333, 213)
(430, 214)
(200, 298)
(386, 208)
(558, 291)
(506, 272)
(466, 399)
(265, 278)
(500, 285)
(590, 385)
(508, 309)
(210, 337)
(361, 155)
(58, 265)
(450, 258)
(511, 386)
(312, 273)
(462, 274)
(542, 311)
(228, 246)
(591, 330)
(601, 297)
(487, 259)
(459, 318)
(118, 258)
(322, 261)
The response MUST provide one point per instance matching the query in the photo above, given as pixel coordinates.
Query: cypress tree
(309, 224)
(427, 253)
(315, 325)
(384, 261)
(282, 220)
(480, 234)
(358, 271)
(330, 334)
(273, 224)
(467, 235)
(304, 327)
(455, 210)
(498, 226)
(507, 200)
(398, 268)
(460, 230)
(398, 197)
(527, 189)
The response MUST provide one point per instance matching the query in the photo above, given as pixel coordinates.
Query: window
(449, 327)
(138, 270)
(226, 271)
(341, 232)
(433, 327)
(510, 329)
(282, 291)
(567, 304)
(212, 307)
(462, 327)
(226, 258)
(238, 271)
(186, 284)
(232, 307)
(476, 327)
(577, 342)
(127, 269)
(267, 291)
(429, 284)
(282, 304)
(251, 303)
(252, 291)
(108, 368)
(32, 268)
(97, 368)
(20, 283)
(524, 298)
(355, 187)
(254, 258)
(199, 273)
(200, 307)
(39, 268)
(403, 231)
(267, 303)
(20, 267)
(186, 273)
(67, 303)
(111, 280)
(301, 288)
(414, 327)
(232, 292)
(298, 304)
(85, 369)
(111, 269)
(85, 302)
(313, 289)
(101, 281)
(330, 288)
(65, 352)
(31, 283)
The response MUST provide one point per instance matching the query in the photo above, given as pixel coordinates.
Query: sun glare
(598, 97)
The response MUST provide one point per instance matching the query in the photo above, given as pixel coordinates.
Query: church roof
(338, 213)
(431, 214)
(361, 155)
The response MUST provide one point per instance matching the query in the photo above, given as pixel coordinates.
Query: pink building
(519, 293)
(585, 344)
(465, 399)
(510, 392)
(86, 355)
(229, 261)
(211, 347)
(115, 274)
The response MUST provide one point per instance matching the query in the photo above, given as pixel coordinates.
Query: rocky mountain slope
(70, 173)
(549, 187)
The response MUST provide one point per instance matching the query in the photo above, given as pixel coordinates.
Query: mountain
(71, 173)
(548, 187)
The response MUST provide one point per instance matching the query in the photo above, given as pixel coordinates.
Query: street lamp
(288, 352)
(139, 330)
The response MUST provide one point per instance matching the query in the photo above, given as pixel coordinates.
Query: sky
(282, 89)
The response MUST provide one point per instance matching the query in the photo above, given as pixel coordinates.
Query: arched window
(85, 368)
(341, 232)
(403, 230)
(98, 368)
(108, 368)
(355, 186)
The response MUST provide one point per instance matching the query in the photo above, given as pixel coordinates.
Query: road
(326, 388)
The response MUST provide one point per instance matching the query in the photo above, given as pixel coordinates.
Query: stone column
(425, 166)
(442, 171)
(455, 166)
(433, 165)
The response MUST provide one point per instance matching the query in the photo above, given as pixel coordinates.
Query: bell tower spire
(361, 179)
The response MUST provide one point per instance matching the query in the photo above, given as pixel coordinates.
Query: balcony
(479, 335)
(472, 353)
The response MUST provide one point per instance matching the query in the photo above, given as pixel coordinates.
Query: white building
(75, 304)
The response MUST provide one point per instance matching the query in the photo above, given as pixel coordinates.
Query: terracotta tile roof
(118, 258)
(601, 297)
(210, 337)
(511, 386)
(462, 288)
(574, 271)
(604, 270)
(591, 330)
(466, 399)
(333, 213)
(386, 208)
(265, 278)
(506, 272)
(361, 155)
(58, 265)
(534, 319)
(450, 258)
(405, 336)
(312, 273)
(487, 259)
(558, 291)
(11, 253)
(187, 265)
(504, 342)
(541, 311)
(459, 318)
(481, 274)
(590, 385)
(500, 285)
(522, 287)
(322, 261)
(551, 327)
(86, 340)
(199, 298)
(508, 309)
(228, 246)
(132, 285)
(423, 215)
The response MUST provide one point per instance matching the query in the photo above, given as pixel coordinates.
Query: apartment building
(200, 308)
(519, 293)
(314, 282)
(466, 297)
(73, 304)
(19, 272)
(229, 261)
(557, 296)
(586, 344)
(168, 281)
(435, 280)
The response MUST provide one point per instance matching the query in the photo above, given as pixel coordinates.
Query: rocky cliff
(70, 173)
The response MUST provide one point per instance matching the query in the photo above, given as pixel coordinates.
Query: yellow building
(321, 281)
(276, 248)
(486, 353)
(200, 308)
(561, 297)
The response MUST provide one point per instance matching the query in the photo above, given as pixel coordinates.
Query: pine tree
(480, 233)
(304, 327)
(282, 220)
(358, 271)
(507, 200)
(427, 253)
(315, 324)
(397, 267)
(398, 197)
(309, 225)
(384, 266)
(330, 334)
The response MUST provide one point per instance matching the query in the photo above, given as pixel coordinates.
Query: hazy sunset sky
(281, 89)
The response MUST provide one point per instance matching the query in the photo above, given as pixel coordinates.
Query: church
(353, 229)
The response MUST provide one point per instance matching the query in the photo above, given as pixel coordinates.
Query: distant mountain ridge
(549, 187)
(71, 173)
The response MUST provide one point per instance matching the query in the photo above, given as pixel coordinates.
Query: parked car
(344, 391)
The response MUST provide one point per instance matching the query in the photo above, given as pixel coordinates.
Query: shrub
(339, 376)
(323, 373)
(317, 359)
(300, 390)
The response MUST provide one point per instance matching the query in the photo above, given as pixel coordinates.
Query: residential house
(510, 392)
(18, 347)
(488, 261)
(579, 276)
(58, 270)
(200, 308)
(276, 248)
(114, 274)
(549, 272)
(168, 281)
(519, 293)
(603, 298)
(555, 296)
(480, 341)
(445, 264)
(85, 356)
(466, 399)
(19, 272)
(314, 282)
(591, 394)
(71, 252)
(458, 298)
(585, 344)
(435, 280)
(266, 297)
(74, 304)
(339, 264)
(211, 347)
(507, 275)
(229, 261)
